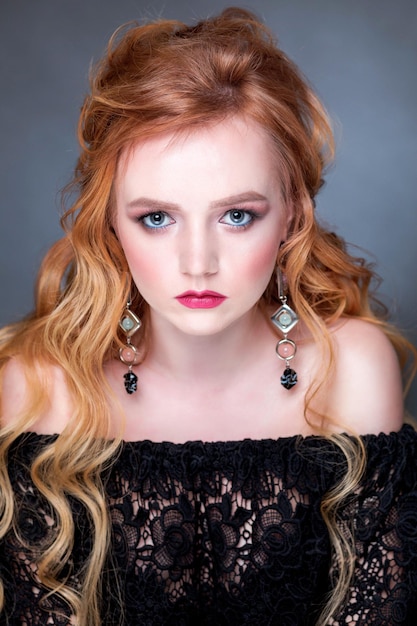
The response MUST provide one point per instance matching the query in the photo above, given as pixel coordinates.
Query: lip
(201, 299)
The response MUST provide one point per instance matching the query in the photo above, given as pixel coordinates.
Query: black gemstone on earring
(131, 382)
(289, 378)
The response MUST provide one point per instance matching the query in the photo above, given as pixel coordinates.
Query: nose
(198, 254)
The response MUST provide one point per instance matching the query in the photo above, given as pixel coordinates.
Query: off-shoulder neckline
(124, 443)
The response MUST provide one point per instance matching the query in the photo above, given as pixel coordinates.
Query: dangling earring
(285, 319)
(129, 323)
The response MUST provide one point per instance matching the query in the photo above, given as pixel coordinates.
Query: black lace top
(228, 533)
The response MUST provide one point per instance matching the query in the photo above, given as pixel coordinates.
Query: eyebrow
(160, 205)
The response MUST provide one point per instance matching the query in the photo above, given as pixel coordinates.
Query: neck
(210, 357)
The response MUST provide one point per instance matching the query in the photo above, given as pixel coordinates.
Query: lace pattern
(228, 533)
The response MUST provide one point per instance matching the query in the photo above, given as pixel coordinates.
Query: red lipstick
(200, 299)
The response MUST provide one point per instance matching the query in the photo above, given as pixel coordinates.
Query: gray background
(359, 54)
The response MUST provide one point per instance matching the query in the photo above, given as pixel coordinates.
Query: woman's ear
(113, 216)
(290, 213)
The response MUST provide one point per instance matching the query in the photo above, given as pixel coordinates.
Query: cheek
(147, 267)
(261, 263)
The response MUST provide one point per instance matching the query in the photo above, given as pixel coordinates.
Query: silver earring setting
(285, 319)
(129, 324)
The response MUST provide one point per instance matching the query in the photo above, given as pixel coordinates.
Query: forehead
(227, 148)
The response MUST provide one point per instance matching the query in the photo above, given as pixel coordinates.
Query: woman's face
(200, 218)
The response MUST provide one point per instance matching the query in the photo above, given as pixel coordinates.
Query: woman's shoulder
(366, 390)
(20, 383)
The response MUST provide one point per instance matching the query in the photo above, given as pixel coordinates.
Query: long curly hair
(159, 77)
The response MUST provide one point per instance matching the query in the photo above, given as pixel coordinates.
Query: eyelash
(245, 212)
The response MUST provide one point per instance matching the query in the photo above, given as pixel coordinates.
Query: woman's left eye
(237, 217)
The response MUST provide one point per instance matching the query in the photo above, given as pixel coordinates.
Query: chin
(202, 327)
(202, 331)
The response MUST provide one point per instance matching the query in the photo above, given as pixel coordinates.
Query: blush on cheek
(261, 262)
(144, 271)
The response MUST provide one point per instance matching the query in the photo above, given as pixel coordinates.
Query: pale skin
(200, 212)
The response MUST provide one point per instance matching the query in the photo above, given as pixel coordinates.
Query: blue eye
(157, 219)
(237, 217)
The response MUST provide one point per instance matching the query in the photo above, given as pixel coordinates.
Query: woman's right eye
(155, 220)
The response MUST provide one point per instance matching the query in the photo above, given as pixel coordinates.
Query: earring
(129, 323)
(285, 319)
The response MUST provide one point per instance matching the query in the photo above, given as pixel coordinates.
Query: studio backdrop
(360, 55)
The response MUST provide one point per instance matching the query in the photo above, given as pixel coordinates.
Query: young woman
(202, 420)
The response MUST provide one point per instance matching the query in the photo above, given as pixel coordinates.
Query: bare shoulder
(56, 410)
(366, 390)
(13, 391)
